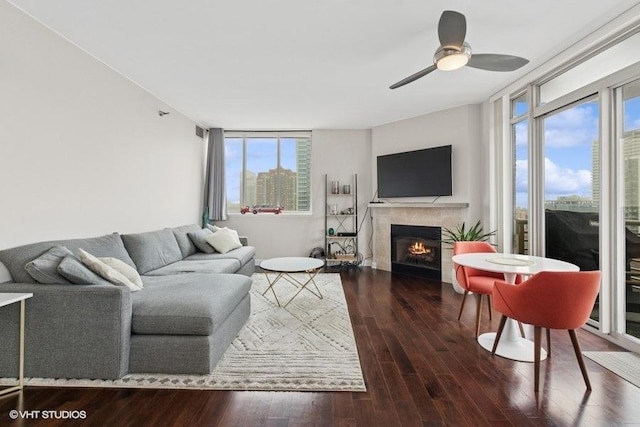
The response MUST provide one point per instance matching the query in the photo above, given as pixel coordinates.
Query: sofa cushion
(153, 249)
(16, 258)
(224, 240)
(186, 304)
(44, 269)
(205, 266)
(199, 238)
(243, 255)
(78, 273)
(186, 245)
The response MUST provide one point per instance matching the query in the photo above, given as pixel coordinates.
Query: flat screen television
(420, 173)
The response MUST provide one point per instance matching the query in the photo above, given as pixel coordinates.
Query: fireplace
(415, 250)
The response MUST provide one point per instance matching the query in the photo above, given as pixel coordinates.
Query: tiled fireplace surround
(441, 215)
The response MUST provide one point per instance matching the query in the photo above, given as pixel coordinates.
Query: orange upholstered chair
(553, 300)
(479, 282)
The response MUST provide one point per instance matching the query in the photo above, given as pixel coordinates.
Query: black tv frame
(419, 173)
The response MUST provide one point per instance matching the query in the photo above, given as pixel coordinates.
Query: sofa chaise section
(184, 323)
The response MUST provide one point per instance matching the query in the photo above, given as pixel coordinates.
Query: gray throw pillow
(186, 245)
(78, 274)
(44, 269)
(199, 239)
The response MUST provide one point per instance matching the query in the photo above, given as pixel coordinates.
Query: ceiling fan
(455, 53)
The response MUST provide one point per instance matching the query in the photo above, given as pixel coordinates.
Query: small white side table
(7, 299)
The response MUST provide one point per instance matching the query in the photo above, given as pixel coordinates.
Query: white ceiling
(309, 64)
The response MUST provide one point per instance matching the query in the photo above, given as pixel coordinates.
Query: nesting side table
(7, 299)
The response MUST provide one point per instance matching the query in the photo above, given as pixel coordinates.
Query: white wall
(83, 150)
(462, 128)
(338, 153)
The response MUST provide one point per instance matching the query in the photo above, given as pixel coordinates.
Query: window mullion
(243, 202)
(278, 175)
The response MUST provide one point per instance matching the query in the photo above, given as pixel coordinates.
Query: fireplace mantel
(419, 205)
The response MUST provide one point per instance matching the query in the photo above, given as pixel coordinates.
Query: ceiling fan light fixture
(449, 59)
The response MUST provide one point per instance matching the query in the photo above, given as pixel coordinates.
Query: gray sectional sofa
(192, 306)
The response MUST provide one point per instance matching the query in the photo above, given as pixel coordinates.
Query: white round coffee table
(285, 266)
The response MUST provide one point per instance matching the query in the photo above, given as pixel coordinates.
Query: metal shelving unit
(341, 224)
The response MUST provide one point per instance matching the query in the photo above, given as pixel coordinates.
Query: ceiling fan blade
(452, 29)
(496, 62)
(413, 77)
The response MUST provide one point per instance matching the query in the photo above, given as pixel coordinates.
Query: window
(578, 179)
(629, 122)
(572, 185)
(520, 139)
(268, 169)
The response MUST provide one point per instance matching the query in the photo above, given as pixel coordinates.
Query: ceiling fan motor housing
(448, 58)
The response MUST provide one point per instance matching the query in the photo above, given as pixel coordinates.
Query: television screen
(420, 173)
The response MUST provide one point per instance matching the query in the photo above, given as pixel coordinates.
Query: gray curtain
(215, 199)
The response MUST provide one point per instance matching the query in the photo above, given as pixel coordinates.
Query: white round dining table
(512, 345)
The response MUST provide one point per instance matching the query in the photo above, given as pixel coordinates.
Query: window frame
(611, 244)
(278, 136)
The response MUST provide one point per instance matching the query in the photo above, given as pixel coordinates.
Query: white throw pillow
(224, 240)
(105, 271)
(125, 269)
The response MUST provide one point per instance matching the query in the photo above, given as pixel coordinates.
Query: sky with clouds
(569, 137)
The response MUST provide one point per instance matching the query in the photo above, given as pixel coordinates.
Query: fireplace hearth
(416, 251)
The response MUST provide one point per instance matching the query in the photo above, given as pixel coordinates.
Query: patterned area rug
(623, 363)
(307, 346)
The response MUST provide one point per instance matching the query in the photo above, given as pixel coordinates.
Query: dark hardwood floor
(422, 367)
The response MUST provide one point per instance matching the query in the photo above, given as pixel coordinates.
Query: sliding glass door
(574, 172)
(572, 184)
(628, 97)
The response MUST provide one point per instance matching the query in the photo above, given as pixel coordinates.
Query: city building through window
(268, 170)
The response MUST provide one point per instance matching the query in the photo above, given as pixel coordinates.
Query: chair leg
(478, 313)
(489, 304)
(548, 342)
(537, 332)
(464, 299)
(576, 348)
(503, 321)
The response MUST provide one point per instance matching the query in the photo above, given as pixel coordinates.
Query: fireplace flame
(418, 248)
